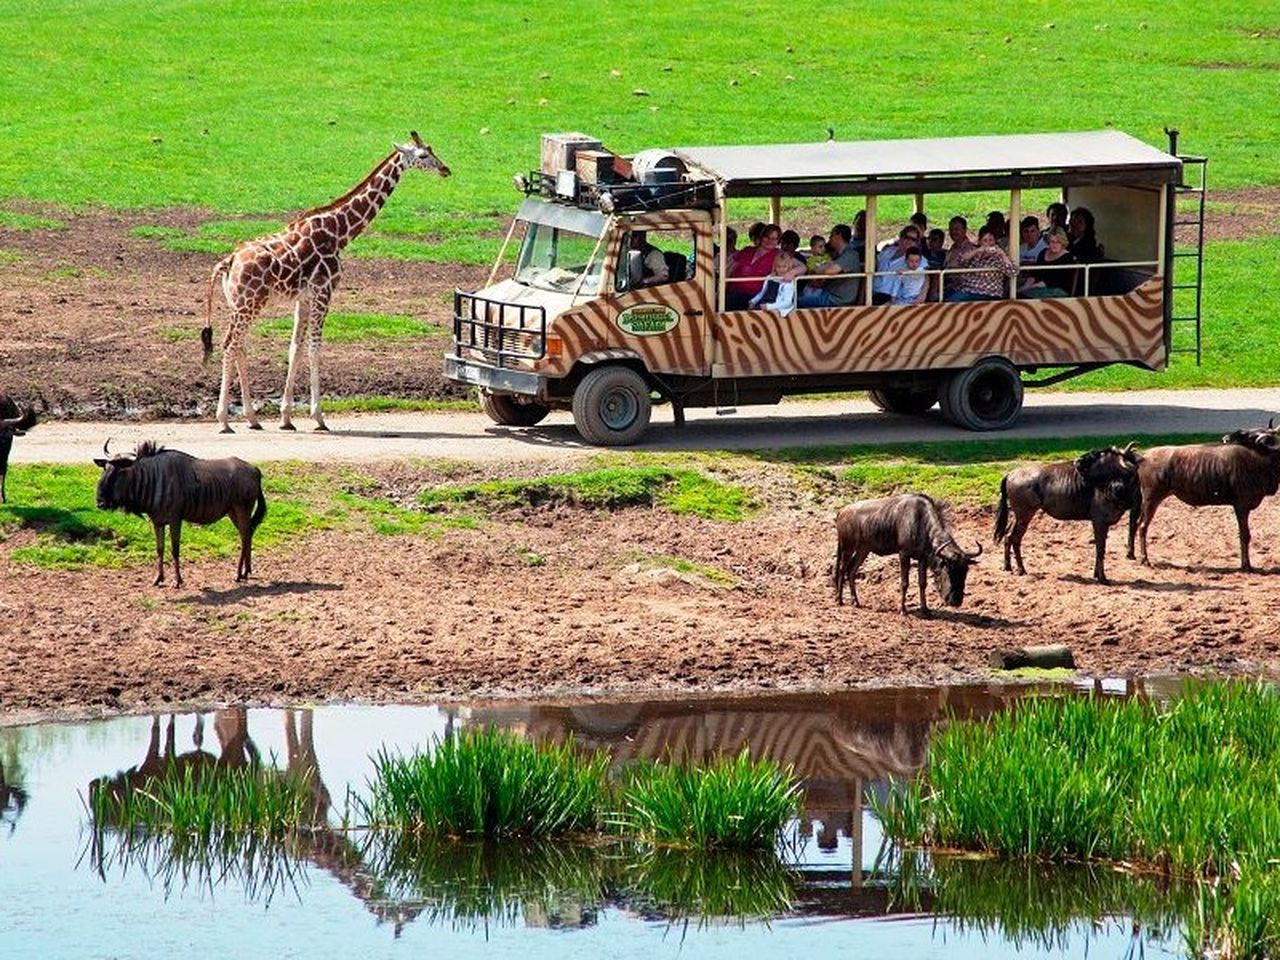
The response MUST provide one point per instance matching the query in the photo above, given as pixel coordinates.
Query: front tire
(510, 412)
(611, 406)
(987, 396)
(903, 399)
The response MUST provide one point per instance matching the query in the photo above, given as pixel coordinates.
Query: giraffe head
(420, 155)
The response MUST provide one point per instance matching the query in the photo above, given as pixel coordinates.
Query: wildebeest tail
(259, 512)
(1002, 511)
(206, 334)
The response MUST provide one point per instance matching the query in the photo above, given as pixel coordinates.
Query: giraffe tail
(206, 334)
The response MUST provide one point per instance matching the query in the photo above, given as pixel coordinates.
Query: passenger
(1084, 244)
(789, 243)
(1051, 283)
(753, 242)
(839, 291)
(645, 263)
(999, 226)
(935, 256)
(891, 258)
(755, 263)
(958, 230)
(936, 252)
(859, 236)
(1032, 240)
(988, 284)
(731, 250)
(817, 251)
(910, 280)
(921, 222)
(779, 289)
(1056, 214)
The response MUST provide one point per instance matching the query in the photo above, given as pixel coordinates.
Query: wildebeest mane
(148, 448)
(1249, 439)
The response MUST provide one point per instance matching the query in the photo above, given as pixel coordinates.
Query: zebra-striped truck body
(169, 487)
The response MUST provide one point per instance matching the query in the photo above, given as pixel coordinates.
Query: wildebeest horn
(105, 452)
(976, 554)
(417, 139)
(1127, 447)
(1270, 423)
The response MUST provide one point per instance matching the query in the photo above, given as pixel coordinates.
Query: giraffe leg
(246, 394)
(224, 394)
(319, 309)
(301, 312)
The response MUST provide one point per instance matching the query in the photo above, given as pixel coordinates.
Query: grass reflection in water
(1037, 905)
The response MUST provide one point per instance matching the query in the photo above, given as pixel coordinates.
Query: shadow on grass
(69, 525)
(209, 596)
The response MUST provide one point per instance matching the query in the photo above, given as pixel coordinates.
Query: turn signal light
(555, 346)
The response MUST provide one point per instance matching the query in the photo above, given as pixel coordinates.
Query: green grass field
(156, 104)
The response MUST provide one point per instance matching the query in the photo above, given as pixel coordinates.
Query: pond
(828, 893)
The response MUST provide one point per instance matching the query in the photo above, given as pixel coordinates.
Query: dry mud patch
(571, 601)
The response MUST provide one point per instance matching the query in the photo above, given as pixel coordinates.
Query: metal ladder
(1185, 255)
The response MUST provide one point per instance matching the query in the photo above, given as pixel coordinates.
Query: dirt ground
(96, 321)
(570, 601)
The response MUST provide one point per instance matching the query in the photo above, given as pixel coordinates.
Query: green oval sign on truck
(648, 320)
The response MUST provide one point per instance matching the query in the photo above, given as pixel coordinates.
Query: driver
(645, 262)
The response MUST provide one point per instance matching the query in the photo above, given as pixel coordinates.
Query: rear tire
(510, 412)
(904, 399)
(611, 406)
(987, 396)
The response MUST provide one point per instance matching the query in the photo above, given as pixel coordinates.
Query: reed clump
(730, 803)
(488, 782)
(204, 803)
(1189, 788)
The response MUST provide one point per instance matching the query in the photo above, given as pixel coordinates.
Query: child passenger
(779, 290)
(817, 250)
(910, 282)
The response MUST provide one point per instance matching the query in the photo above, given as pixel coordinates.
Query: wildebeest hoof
(226, 429)
(322, 428)
(158, 582)
(255, 425)
(288, 426)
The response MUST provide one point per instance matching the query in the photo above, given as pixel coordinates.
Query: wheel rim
(990, 397)
(619, 409)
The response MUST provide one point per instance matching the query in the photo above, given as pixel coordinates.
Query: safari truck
(576, 325)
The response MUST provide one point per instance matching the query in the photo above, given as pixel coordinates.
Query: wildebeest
(915, 527)
(1100, 486)
(170, 486)
(14, 422)
(1239, 472)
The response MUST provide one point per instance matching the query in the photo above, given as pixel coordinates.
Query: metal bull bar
(501, 332)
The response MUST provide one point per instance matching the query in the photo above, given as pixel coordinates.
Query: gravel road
(472, 436)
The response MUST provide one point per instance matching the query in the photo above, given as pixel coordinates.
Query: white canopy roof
(1017, 154)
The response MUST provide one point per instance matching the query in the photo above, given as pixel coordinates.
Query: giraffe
(302, 263)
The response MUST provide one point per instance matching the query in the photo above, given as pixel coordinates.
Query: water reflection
(1035, 904)
(845, 747)
(13, 796)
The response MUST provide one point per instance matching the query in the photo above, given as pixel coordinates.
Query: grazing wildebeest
(1239, 472)
(913, 526)
(1100, 486)
(14, 422)
(170, 486)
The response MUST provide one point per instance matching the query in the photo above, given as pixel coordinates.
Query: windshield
(555, 259)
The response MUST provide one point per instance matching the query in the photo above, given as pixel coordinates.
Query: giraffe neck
(355, 209)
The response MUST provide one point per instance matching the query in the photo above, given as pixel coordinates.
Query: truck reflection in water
(841, 745)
